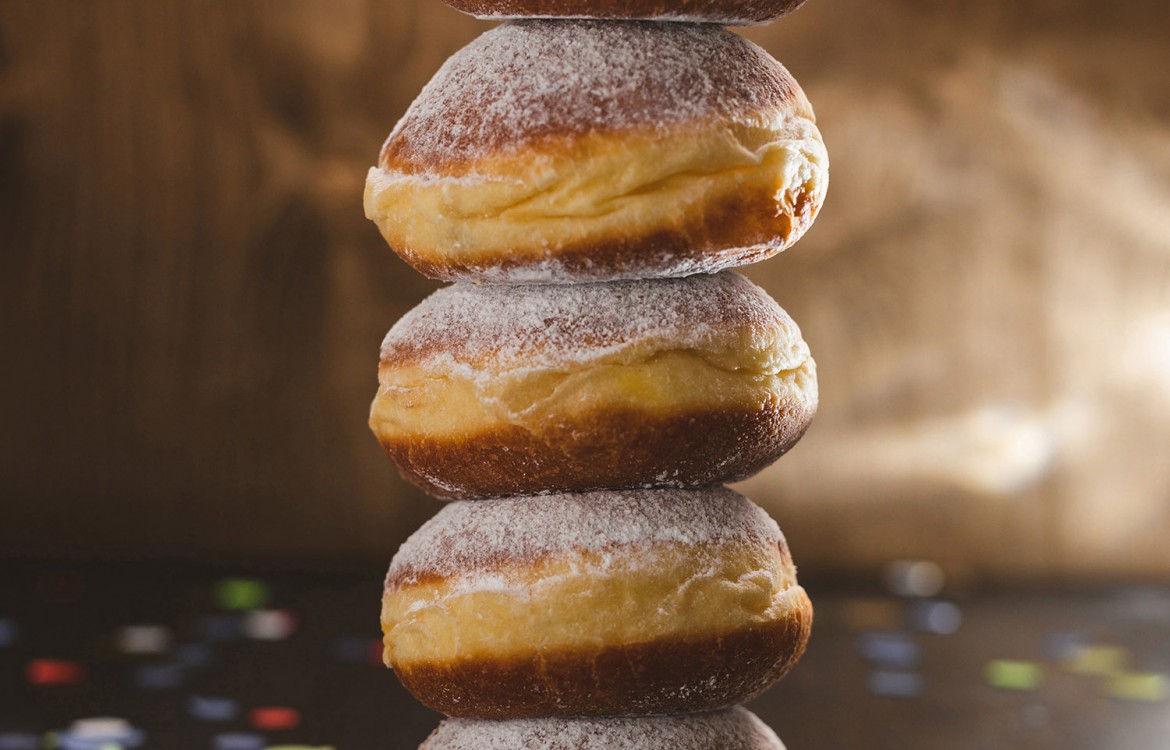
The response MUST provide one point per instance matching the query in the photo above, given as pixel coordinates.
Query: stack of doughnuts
(586, 174)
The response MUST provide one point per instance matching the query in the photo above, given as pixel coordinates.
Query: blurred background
(193, 301)
(194, 518)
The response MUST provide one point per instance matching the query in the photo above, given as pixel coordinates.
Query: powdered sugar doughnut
(594, 604)
(562, 151)
(729, 12)
(733, 729)
(492, 391)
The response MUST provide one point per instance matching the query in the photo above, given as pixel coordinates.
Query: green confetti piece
(1022, 676)
(1097, 660)
(1138, 686)
(241, 594)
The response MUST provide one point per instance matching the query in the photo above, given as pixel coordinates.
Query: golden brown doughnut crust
(729, 12)
(594, 604)
(639, 679)
(604, 450)
(568, 151)
(488, 391)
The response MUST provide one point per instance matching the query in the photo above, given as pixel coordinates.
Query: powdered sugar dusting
(530, 79)
(471, 538)
(556, 325)
(733, 729)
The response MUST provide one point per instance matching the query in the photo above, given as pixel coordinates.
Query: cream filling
(596, 186)
(444, 401)
(589, 601)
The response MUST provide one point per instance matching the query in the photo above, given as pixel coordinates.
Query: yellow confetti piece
(1097, 660)
(1138, 686)
(1005, 674)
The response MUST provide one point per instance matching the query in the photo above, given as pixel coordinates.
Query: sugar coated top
(528, 80)
(473, 537)
(733, 729)
(551, 326)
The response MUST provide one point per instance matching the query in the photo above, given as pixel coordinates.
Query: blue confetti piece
(1064, 645)
(194, 655)
(19, 741)
(218, 628)
(213, 709)
(100, 734)
(895, 684)
(9, 632)
(159, 676)
(352, 650)
(238, 741)
(932, 616)
(889, 649)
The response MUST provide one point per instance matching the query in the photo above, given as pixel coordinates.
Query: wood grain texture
(192, 301)
(197, 300)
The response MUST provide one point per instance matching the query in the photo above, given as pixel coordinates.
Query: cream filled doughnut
(728, 12)
(566, 151)
(491, 391)
(732, 729)
(595, 604)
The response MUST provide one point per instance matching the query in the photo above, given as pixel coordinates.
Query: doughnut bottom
(669, 675)
(727, 12)
(613, 449)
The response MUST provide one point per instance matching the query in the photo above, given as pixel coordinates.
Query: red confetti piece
(275, 718)
(54, 672)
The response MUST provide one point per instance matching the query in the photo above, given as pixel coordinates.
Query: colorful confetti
(274, 718)
(238, 741)
(1007, 674)
(54, 672)
(895, 684)
(9, 632)
(206, 708)
(241, 594)
(931, 616)
(1138, 686)
(269, 624)
(889, 649)
(914, 578)
(159, 676)
(99, 734)
(143, 639)
(19, 741)
(1097, 660)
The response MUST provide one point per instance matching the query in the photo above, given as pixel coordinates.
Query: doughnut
(613, 603)
(490, 391)
(733, 729)
(727, 12)
(569, 151)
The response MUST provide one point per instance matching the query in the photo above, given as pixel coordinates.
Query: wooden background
(191, 301)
